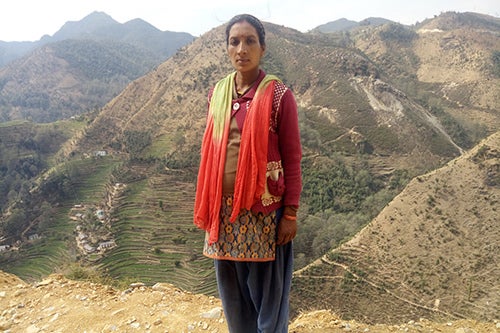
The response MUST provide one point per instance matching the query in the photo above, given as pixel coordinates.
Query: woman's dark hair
(261, 32)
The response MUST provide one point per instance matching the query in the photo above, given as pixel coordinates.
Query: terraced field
(155, 236)
(55, 248)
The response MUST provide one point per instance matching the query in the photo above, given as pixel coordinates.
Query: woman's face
(244, 48)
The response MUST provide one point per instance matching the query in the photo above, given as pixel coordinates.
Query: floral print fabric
(252, 237)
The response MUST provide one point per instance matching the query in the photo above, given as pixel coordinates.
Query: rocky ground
(57, 304)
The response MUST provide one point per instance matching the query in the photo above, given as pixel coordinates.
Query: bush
(495, 59)
(136, 141)
(397, 33)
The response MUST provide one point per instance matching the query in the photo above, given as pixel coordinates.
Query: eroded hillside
(432, 252)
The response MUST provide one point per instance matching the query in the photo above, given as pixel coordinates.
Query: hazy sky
(28, 20)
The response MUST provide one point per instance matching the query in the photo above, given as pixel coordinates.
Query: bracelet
(290, 217)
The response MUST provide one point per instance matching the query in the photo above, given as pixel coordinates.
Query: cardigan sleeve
(290, 148)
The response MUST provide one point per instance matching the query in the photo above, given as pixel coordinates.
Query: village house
(106, 245)
(33, 237)
(88, 248)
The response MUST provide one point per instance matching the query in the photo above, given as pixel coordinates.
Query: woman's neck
(244, 81)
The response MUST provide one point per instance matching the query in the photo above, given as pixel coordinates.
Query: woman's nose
(242, 48)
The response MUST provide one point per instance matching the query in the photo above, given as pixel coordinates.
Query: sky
(29, 20)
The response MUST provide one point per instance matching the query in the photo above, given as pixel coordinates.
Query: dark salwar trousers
(255, 295)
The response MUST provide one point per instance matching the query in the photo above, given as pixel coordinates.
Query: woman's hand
(287, 227)
(287, 230)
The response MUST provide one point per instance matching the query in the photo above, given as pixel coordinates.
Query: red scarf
(252, 158)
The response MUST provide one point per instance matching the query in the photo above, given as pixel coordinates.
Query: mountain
(100, 26)
(378, 108)
(453, 20)
(10, 51)
(137, 32)
(81, 67)
(69, 77)
(344, 24)
(93, 24)
(383, 96)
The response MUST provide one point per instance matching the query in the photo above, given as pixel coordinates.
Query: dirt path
(60, 305)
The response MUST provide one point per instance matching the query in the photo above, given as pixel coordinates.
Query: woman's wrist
(290, 213)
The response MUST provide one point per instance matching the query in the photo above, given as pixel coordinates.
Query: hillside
(69, 78)
(372, 96)
(59, 304)
(375, 113)
(99, 26)
(432, 252)
(82, 67)
(348, 25)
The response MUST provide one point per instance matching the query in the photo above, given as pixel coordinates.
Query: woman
(249, 185)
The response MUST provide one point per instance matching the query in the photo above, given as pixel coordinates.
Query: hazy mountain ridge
(101, 26)
(347, 25)
(362, 104)
(68, 78)
(454, 20)
(334, 75)
(137, 32)
(81, 67)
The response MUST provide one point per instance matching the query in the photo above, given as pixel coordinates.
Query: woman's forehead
(242, 29)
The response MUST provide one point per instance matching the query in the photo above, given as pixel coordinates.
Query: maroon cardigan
(284, 148)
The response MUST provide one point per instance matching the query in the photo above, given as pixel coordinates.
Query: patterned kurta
(252, 237)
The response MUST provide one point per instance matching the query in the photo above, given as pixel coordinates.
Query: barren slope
(432, 252)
